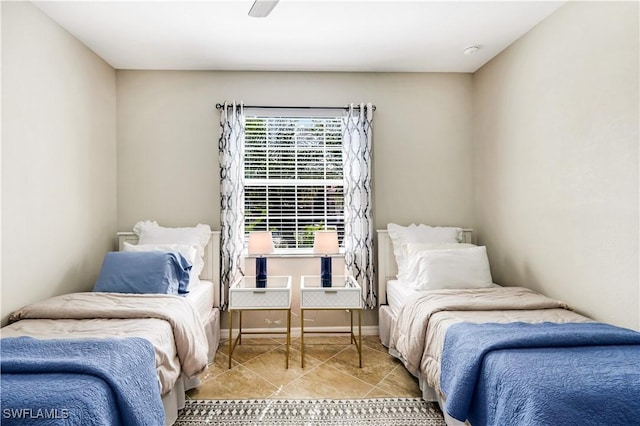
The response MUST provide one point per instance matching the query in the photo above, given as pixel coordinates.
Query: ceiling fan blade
(262, 8)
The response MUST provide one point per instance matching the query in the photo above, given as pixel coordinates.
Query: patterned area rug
(352, 412)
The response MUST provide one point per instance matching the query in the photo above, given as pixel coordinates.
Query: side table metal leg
(353, 336)
(360, 337)
(302, 337)
(230, 336)
(288, 334)
(240, 329)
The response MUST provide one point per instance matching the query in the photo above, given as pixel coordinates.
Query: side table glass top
(249, 283)
(337, 281)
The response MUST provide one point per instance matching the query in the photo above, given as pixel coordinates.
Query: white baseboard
(369, 330)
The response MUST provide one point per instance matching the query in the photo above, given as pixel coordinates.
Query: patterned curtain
(230, 152)
(358, 220)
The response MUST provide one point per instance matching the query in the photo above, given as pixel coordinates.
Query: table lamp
(261, 243)
(325, 243)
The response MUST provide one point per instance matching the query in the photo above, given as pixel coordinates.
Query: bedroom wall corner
(556, 148)
(58, 159)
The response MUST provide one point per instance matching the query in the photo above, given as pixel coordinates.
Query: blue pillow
(151, 272)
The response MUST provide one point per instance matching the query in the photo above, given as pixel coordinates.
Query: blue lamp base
(325, 271)
(261, 272)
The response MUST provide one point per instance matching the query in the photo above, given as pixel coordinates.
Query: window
(293, 177)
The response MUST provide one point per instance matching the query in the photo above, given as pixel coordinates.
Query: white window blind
(293, 177)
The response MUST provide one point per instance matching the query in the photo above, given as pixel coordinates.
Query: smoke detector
(471, 50)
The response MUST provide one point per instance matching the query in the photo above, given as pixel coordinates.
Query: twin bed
(499, 355)
(111, 358)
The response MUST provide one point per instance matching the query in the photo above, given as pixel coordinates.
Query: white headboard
(211, 270)
(387, 267)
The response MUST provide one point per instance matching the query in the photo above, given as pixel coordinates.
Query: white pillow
(149, 232)
(452, 268)
(437, 234)
(401, 235)
(411, 249)
(410, 270)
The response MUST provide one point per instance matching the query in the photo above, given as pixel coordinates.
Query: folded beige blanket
(409, 334)
(188, 330)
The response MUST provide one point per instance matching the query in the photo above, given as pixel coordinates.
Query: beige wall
(168, 130)
(58, 159)
(556, 160)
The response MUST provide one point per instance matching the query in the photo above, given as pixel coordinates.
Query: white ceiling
(339, 35)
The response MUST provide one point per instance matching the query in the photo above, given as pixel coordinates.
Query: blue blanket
(541, 374)
(79, 382)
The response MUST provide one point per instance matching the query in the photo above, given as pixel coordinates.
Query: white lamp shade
(260, 242)
(325, 242)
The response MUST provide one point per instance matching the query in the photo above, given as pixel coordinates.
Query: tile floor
(331, 371)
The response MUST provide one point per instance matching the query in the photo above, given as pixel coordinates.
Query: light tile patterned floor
(331, 371)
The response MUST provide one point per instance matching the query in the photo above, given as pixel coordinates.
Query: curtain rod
(220, 106)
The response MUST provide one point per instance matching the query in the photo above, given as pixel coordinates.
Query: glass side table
(344, 294)
(245, 296)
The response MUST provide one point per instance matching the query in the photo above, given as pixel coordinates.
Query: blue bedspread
(541, 374)
(79, 382)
